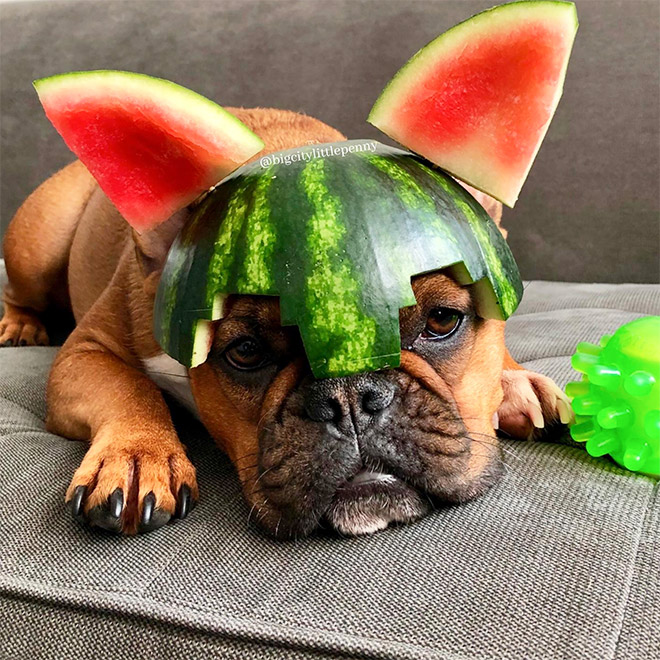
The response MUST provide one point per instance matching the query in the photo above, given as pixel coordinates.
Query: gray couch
(561, 561)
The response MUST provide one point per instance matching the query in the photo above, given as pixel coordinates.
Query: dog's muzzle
(360, 452)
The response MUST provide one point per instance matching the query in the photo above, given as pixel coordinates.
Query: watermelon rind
(85, 84)
(338, 239)
(215, 141)
(421, 63)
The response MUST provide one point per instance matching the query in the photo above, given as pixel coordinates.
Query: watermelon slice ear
(153, 146)
(478, 100)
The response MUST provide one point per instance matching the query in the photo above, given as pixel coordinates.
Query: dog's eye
(441, 323)
(246, 355)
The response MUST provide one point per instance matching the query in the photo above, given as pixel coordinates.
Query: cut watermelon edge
(143, 86)
(482, 290)
(424, 56)
(202, 342)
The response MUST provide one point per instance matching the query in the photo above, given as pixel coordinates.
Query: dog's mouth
(371, 501)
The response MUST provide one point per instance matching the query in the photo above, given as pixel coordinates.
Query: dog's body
(415, 430)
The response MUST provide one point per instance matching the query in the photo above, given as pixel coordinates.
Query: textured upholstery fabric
(597, 172)
(560, 561)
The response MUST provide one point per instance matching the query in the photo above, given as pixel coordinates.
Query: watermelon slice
(478, 100)
(152, 145)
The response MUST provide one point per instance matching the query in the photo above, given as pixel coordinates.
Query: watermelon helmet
(336, 231)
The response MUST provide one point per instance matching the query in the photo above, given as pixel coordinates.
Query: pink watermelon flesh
(479, 99)
(153, 146)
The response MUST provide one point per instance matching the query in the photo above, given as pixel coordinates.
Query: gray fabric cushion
(560, 561)
(597, 170)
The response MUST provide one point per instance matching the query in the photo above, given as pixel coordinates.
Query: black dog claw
(9, 342)
(77, 501)
(148, 508)
(116, 503)
(152, 517)
(108, 515)
(184, 502)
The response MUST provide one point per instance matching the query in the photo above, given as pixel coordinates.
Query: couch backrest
(589, 210)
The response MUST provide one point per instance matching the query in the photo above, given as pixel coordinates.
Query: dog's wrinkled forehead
(264, 310)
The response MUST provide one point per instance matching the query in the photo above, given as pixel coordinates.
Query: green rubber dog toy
(617, 402)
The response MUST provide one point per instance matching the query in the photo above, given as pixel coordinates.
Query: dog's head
(355, 453)
(358, 452)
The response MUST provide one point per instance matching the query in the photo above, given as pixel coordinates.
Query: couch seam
(518, 315)
(547, 357)
(633, 569)
(249, 636)
(191, 535)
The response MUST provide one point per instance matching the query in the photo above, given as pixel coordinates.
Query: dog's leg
(532, 402)
(135, 475)
(36, 249)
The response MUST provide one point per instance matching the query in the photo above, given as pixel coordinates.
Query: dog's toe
(152, 516)
(108, 515)
(532, 404)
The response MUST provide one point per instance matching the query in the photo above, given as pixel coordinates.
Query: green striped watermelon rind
(346, 295)
(416, 68)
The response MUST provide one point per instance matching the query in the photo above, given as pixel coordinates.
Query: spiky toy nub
(617, 402)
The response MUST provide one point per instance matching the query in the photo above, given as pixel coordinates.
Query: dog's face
(359, 452)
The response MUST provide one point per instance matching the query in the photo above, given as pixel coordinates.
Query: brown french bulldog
(354, 454)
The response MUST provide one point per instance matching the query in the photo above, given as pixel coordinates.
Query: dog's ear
(492, 206)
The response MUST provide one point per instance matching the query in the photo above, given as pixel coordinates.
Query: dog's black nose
(323, 402)
(331, 399)
(376, 396)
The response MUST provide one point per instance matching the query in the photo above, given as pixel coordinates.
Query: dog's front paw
(130, 489)
(532, 402)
